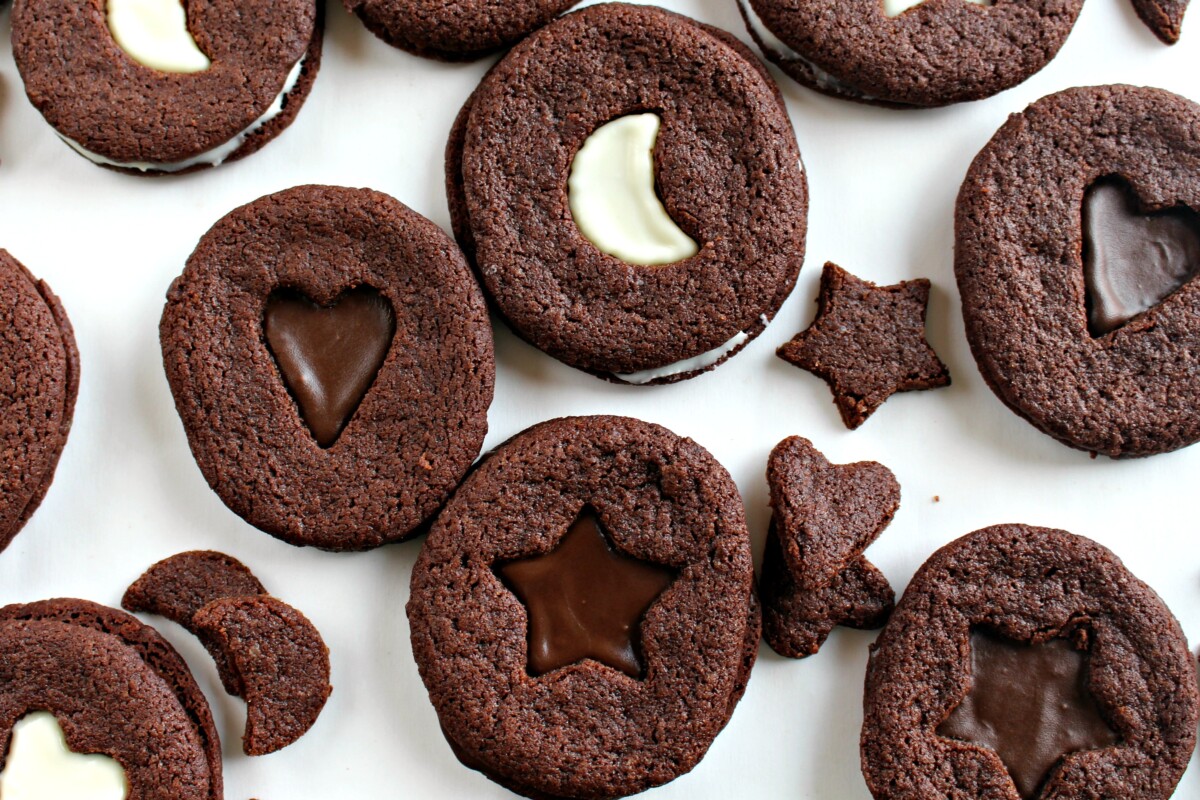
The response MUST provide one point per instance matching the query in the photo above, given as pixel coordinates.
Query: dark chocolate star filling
(1030, 704)
(585, 599)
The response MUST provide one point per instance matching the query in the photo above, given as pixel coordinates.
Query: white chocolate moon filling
(39, 766)
(894, 8)
(612, 197)
(155, 33)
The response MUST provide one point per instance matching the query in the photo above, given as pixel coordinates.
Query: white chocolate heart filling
(40, 766)
(155, 33)
(612, 198)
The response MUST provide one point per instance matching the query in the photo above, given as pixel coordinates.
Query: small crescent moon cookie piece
(1077, 239)
(348, 349)
(1028, 662)
(39, 379)
(643, 254)
(280, 661)
(121, 112)
(117, 689)
(933, 53)
(459, 31)
(582, 613)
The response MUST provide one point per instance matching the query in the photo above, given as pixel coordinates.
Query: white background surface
(882, 191)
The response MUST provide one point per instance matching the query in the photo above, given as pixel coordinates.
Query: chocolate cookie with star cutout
(1077, 243)
(460, 31)
(331, 359)
(1028, 662)
(582, 612)
(155, 87)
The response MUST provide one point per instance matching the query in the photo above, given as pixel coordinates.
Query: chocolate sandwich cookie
(906, 54)
(1076, 244)
(154, 86)
(582, 612)
(331, 359)
(593, 186)
(1028, 662)
(815, 576)
(117, 692)
(39, 379)
(458, 31)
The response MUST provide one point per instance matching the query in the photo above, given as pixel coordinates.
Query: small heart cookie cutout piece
(1133, 261)
(328, 355)
(40, 766)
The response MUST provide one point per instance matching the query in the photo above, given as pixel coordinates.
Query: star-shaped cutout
(1030, 704)
(585, 600)
(867, 342)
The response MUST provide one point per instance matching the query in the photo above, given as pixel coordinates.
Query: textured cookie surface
(39, 379)
(455, 31)
(936, 53)
(95, 94)
(727, 172)
(1020, 255)
(422, 416)
(587, 729)
(1045, 593)
(117, 688)
(280, 661)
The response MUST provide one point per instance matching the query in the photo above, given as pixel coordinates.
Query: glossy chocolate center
(1030, 704)
(1132, 261)
(585, 600)
(328, 355)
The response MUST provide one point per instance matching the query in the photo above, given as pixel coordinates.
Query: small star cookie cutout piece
(585, 599)
(867, 342)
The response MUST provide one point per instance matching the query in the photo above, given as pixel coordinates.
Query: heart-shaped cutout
(328, 355)
(1133, 261)
(39, 764)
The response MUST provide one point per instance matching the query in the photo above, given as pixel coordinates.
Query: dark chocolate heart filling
(328, 355)
(1133, 261)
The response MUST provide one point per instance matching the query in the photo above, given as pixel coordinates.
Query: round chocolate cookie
(900, 54)
(1028, 662)
(117, 689)
(724, 172)
(458, 31)
(39, 379)
(331, 360)
(126, 95)
(1076, 241)
(582, 612)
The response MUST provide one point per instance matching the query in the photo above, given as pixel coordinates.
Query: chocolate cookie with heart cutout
(671, 291)
(331, 359)
(582, 613)
(156, 87)
(116, 689)
(460, 31)
(1076, 246)
(1028, 662)
(39, 381)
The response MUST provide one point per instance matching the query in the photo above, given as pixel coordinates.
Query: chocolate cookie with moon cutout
(582, 613)
(459, 31)
(1028, 662)
(158, 86)
(95, 704)
(663, 214)
(907, 54)
(39, 380)
(330, 356)
(1076, 244)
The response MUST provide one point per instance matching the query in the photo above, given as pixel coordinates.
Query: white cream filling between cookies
(894, 8)
(155, 33)
(40, 766)
(695, 363)
(611, 194)
(213, 157)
